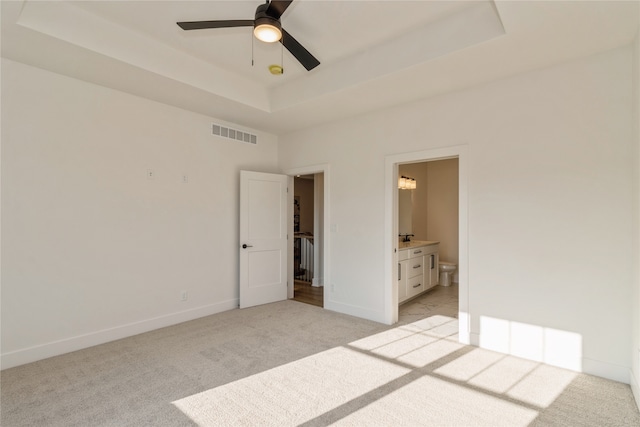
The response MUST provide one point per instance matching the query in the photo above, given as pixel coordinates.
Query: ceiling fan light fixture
(267, 31)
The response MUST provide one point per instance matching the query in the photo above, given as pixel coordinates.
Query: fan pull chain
(282, 57)
(252, 42)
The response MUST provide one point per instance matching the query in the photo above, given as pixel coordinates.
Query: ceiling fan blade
(277, 7)
(201, 25)
(307, 60)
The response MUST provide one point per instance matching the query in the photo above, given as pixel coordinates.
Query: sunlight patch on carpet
(504, 374)
(469, 365)
(527, 381)
(542, 386)
(416, 373)
(416, 344)
(294, 393)
(430, 401)
(431, 353)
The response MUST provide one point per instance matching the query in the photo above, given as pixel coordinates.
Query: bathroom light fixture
(406, 183)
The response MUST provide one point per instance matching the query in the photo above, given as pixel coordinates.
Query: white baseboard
(474, 339)
(464, 333)
(56, 348)
(354, 310)
(635, 387)
(605, 370)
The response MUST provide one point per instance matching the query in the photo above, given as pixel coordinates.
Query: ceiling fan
(266, 27)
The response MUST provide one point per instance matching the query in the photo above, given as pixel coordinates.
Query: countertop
(415, 244)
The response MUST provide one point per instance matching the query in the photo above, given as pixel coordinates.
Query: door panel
(265, 216)
(263, 268)
(263, 238)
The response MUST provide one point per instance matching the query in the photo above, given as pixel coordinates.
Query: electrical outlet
(185, 178)
(184, 296)
(150, 174)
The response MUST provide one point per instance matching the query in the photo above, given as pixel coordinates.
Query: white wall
(549, 198)
(92, 249)
(635, 340)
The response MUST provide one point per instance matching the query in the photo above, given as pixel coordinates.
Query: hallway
(304, 292)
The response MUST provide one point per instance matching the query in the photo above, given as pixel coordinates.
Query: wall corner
(634, 379)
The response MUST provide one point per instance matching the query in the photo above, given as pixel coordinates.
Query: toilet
(446, 272)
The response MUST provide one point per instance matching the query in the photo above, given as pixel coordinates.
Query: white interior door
(263, 238)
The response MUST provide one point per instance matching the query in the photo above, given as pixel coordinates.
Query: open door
(263, 238)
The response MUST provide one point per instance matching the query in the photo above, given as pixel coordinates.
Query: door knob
(245, 246)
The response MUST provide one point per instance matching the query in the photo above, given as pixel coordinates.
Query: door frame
(326, 263)
(391, 231)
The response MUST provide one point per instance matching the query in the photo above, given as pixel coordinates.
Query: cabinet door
(402, 280)
(415, 285)
(415, 267)
(431, 270)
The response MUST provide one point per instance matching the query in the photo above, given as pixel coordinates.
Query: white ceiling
(373, 53)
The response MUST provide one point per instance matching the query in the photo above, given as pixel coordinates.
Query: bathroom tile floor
(440, 300)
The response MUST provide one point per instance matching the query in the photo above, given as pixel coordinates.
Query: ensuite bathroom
(428, 239)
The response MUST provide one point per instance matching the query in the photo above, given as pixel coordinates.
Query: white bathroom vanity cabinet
(417, 268)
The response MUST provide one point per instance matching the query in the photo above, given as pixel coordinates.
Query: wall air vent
(238, 135)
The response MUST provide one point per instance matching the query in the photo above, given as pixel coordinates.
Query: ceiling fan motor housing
(263, 18)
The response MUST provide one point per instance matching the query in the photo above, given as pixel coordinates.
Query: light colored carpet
(292, 364)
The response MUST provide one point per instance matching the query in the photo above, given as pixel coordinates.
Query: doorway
(392, 167)
(308, 248)
(307, 285)
(428, 212)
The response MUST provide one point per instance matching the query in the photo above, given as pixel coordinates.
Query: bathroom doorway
(428, 211)
(448, 299)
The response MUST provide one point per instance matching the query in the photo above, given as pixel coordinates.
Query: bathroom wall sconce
(406, 183)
